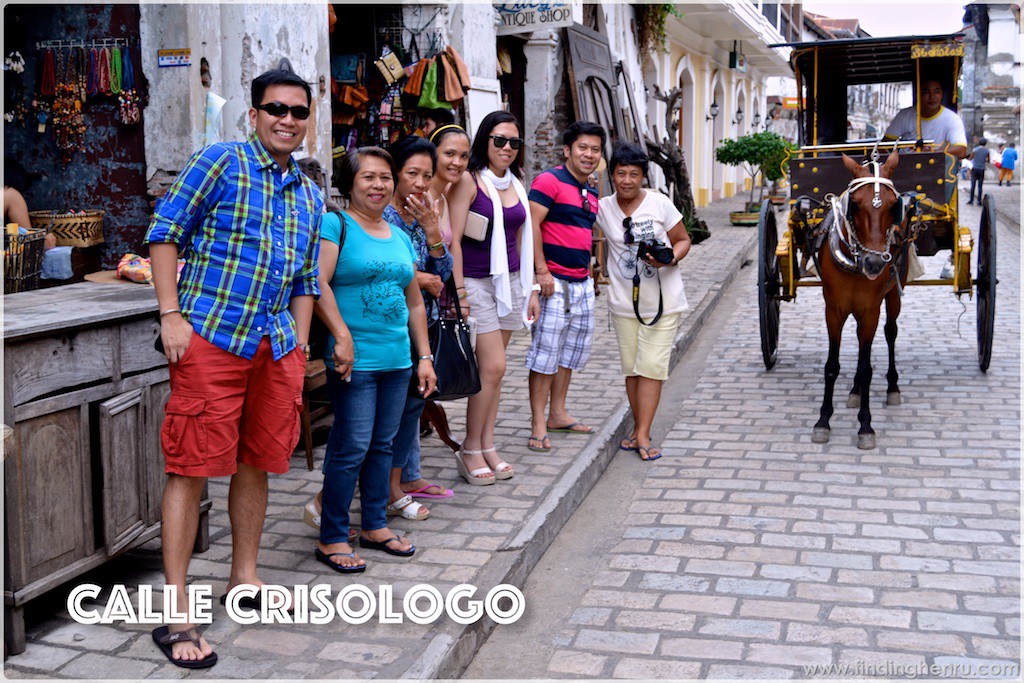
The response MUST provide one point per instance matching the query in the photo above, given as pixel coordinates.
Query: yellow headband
(455, 126)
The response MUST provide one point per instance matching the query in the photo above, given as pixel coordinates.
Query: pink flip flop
(420, 493)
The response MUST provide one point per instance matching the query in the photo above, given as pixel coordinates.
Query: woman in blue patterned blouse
(416, 211)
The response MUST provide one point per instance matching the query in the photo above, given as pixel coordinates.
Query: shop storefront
(73, 106)
(393, 73)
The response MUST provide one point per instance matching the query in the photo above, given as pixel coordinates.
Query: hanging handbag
(454, 360)
(453, 91)
(460, 67)
(390, 68)
(415, 84)
(428, 94)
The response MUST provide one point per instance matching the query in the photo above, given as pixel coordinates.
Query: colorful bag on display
(453, 91)
(415, 84)
(428, 95)
(460, 67)
(390, 68)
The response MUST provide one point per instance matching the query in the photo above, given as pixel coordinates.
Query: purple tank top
(476, 256)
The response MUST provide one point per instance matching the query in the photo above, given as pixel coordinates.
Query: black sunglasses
(500, 141)
(281, 110)
(627, 225)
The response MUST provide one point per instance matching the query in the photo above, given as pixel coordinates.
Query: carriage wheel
(769, 283)
(986, 281)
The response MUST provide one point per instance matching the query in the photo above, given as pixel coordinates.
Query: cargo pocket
(183, 435)
(297, 422)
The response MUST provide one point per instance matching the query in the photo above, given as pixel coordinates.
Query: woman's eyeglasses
(279, 110)
(627, 226)
(500, 141)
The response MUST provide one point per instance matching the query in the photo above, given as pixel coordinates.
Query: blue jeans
(407, 442)
(367, 412)
(977, 179)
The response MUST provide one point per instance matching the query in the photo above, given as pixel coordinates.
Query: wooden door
(122, 448)
(592, 80)
(48, 502)
(155, 400)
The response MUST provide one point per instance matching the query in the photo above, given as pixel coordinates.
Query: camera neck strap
(636, 295)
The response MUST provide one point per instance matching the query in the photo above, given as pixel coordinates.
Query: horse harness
(846, 249)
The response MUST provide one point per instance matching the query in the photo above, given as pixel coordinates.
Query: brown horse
(861, 263)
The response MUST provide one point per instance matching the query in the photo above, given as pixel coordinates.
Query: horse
(862, 262)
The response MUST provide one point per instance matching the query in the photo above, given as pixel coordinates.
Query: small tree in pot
(759, 154)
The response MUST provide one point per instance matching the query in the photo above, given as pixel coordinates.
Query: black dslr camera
(655, 248)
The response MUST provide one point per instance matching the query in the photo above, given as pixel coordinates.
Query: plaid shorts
(564, 330)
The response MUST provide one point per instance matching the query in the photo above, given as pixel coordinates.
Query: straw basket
(71, 229)
(23, 261)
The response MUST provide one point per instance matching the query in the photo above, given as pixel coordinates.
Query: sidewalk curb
(450, 652)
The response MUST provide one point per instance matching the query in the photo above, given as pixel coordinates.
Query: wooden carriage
(824, 71)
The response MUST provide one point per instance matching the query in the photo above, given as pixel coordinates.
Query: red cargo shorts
(224, 409)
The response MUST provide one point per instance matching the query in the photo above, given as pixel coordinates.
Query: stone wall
(237, 42)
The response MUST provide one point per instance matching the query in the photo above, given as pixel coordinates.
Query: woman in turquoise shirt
(371, 305)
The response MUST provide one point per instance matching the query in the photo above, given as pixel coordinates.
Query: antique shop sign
(524, 17)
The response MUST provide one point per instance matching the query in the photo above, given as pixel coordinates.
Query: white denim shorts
(483, 305)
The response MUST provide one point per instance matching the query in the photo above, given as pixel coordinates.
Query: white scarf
(499, 249)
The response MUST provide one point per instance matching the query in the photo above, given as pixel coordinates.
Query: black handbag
(454, 360)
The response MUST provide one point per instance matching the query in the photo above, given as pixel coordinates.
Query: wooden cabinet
(83, 475)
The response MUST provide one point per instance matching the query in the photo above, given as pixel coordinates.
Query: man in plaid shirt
(235, 331)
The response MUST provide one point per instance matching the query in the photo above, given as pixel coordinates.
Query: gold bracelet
(438, 245)
(462, 295)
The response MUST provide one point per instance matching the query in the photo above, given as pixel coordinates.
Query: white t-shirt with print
(945, 126)
(652, 219)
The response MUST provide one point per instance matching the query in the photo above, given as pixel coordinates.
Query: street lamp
(739, 117)
(757, 119)
(714, 112)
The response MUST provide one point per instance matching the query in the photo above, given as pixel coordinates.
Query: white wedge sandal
(472, 477)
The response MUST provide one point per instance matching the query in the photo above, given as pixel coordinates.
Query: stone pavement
(484, 536)
(752, 552)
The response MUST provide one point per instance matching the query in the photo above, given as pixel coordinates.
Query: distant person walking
(979, 160)
(1009, 162)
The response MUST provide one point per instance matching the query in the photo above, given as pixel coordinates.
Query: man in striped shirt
(563, 207)
(235, 331)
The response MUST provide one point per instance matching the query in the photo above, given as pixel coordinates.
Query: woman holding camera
(646, 240)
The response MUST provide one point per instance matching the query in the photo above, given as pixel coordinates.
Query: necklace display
(70, 76)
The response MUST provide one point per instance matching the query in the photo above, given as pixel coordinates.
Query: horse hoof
(853, 401)
(865, 442)
(820, 435)
(893, 398)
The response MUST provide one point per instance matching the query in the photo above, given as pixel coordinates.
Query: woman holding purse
(371, 304)
(492, 243)
(631, 219)
(417, 213)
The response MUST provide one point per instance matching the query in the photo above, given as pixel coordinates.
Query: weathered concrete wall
(109, 175)
(238, 41)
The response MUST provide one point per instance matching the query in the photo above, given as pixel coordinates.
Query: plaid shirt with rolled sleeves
(250, 241)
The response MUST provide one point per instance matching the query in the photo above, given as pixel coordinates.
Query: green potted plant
(763, 156)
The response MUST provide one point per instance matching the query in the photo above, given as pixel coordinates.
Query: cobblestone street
(751, 552)
(747, 551)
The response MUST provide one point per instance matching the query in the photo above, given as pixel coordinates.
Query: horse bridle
(842, 232)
